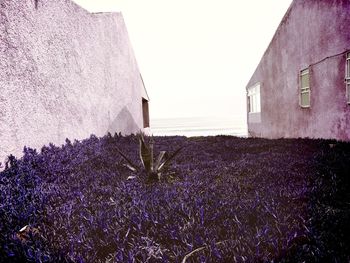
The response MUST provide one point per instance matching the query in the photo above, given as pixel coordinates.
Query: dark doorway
(145, 113)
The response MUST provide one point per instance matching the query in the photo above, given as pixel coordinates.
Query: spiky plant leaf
(167, 161)
(131, 168)
(151, 142)
(159, 160)
(130, 165)
(145, 155)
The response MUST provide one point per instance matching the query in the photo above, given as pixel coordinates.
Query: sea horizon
(199, 126)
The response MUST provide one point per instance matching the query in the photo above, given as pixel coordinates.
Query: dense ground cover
(228, 200)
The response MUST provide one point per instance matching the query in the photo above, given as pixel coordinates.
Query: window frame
(347, 77)
(304, 90)
(254, 98)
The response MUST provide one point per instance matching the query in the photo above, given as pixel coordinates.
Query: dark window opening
(145, 113)
(36, 3)
(249, 105)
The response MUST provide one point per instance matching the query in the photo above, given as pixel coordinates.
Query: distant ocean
(199, 126)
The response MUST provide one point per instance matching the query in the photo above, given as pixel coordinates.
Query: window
(145, 113)
(254, 98)
(347, 77)
(305, 88)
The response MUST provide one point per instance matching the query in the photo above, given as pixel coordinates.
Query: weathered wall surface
(316, 34)
(64, 73)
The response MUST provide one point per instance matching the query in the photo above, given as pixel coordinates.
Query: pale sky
(196, 56)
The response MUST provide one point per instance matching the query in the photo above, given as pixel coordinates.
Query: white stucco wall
(64, 73)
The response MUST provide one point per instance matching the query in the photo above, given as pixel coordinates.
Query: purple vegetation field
(224, 199)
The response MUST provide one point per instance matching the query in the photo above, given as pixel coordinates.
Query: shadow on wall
(124, 123)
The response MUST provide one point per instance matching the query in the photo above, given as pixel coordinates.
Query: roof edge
(106, 13)
(93, 13)
(285, 17)
(144, 87)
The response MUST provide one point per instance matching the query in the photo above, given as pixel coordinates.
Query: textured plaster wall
(312, 33)
(64, 73)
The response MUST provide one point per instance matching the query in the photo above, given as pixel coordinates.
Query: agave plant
(152, 168)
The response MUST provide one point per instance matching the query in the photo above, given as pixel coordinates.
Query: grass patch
(226, 199)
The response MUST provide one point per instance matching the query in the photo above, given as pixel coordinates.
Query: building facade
(301, 87)
(65, 73)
